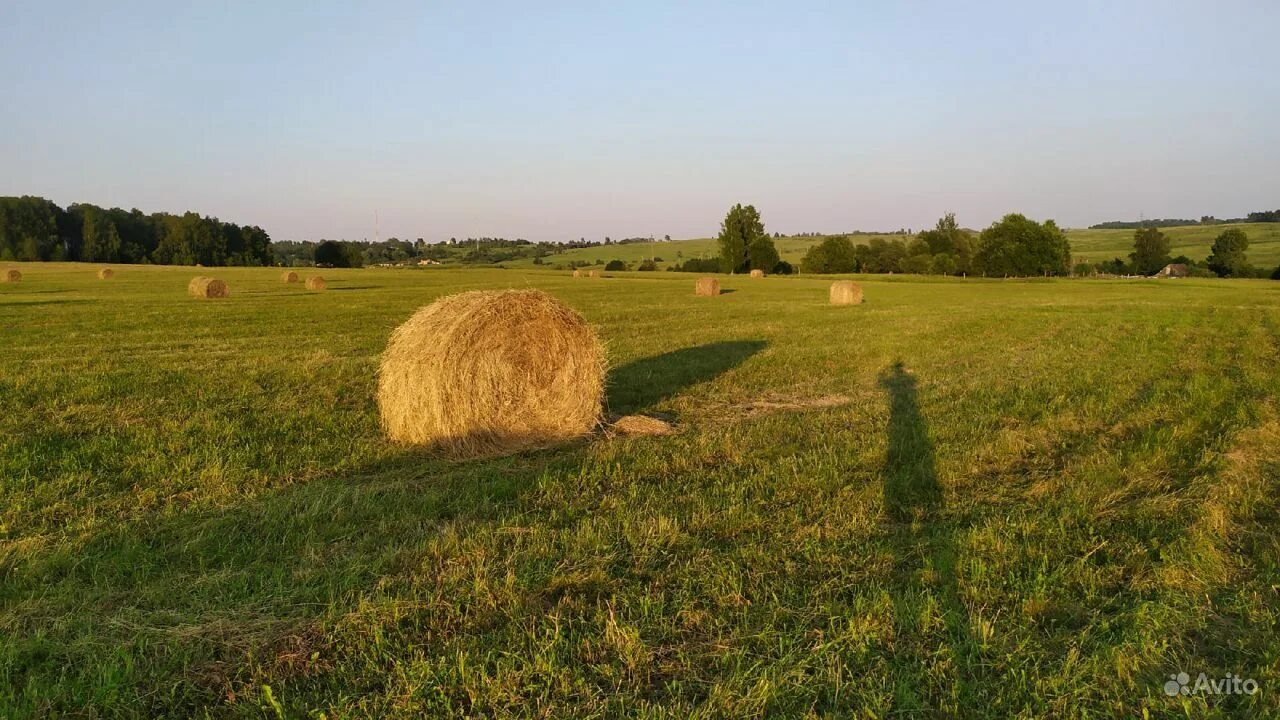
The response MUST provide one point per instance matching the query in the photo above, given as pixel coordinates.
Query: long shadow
(277, 559)
(919, 529)
(648, 381)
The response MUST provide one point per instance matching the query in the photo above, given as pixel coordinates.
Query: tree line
(1014, 246)
(35, 229)
(1262, 216)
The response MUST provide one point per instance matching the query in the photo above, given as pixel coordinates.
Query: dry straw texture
(315, 282)
(10, 275)
(207, 287)
(491, 372)
(641, 425)
(106, 274)
(577, 273)
(845, 292)
(757, 273)
(289, 277)
(592, 273)
(707, 286)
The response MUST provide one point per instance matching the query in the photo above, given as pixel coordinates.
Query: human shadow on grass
(919, 529)
(648, 381)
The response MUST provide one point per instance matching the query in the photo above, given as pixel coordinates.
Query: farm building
(1174, 270)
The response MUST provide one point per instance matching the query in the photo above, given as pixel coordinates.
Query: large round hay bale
(593, 273)
(289, 277)
(106, 274)
(757, 273)
(845, 292)
(207, 287)
(315, 282)
(577, 273)
(491, 372)
(707, 286)
(10, 275)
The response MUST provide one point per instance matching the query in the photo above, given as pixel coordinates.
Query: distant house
(1173, 270)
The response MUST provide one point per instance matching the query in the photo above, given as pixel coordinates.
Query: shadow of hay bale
(648, 381)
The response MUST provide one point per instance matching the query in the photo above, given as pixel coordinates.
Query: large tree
(99, 237)
(1019, 246)
(1150, 251)
(1228, 258)
(833, 255)
(741, 229)
(763, 255)
(947, 238)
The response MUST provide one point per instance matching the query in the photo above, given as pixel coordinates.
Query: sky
(555, 121)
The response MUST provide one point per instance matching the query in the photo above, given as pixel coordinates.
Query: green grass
(1086, 246)
(1039, 500)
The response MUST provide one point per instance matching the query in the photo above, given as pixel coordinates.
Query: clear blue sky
(554, 121)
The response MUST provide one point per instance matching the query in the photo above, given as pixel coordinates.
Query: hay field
(959, 498)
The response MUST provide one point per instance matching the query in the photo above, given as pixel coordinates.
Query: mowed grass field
(962, 498)
(1194, 241)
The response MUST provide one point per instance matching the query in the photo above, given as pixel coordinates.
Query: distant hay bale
(757, 273)
(592, 273)
(315, 282)
(289, 277)
(10, 275)
(845, 292)
(207, 287)
(577, 273)
(491, 372)
(708, 286)
(106, 274)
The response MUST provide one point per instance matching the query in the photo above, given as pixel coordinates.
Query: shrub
(615, 265)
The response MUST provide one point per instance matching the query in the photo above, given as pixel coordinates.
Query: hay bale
(708, 286)
(315, 282)
(491, 372)
(207, 287)
(845, 292)
(592, 273)
(577, 273)
(757, 273)
(10, 275)
(289, 277)
(106, 274)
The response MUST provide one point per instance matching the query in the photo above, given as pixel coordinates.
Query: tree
(833, 255)
(99, 237)
(1150, 251)
(918, 264)
(615, 265)
(1019, 246)
(329, 254)
(741, 228)
(943, 264)
(1228, 256)
(947, 237)
(762, 254)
